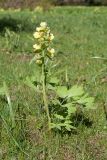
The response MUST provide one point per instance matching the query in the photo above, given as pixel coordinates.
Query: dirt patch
(23, 57)
(96, 146)
(66, 153)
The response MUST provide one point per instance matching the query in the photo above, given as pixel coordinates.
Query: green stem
(66, 78)
(45, 95)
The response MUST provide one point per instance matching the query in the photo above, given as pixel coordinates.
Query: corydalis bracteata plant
(43, 51)
(66, 102)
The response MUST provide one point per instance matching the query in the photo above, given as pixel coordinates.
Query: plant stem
(44, 94)
(66, 78)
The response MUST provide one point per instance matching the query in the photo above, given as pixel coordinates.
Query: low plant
(61, 102)
(10, 43)
(4, 92)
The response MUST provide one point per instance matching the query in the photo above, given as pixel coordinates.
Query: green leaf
(6, 93)
(71, 110)
(70, 107)
(2, 91)
(35, 78)
(56, 102)
(58, 126)
(29, 83)
(84, 99)
(90, 103)
(61, 91)
(54, 80)
(50, 87)
(59, 116)
(68, 125)
(33, 59)
(67, 122)
(87, 101)
(75, 91)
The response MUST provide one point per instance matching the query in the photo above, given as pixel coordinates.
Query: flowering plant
(64, 101)
(44, 51)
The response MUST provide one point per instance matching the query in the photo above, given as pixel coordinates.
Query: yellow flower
(37, 35)
(51, 37)
(51, 52)
(43, 24)
(38, 29)
(38, 9)
(37, 47)
(38, 56)
(39, 61)
(43, 27)
(41, 40)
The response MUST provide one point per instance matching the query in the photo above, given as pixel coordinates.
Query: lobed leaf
(59, 116)
(87, 101)
(70, 107)
(54, 80)
(75, 91)
(29, 83)
(62, 91)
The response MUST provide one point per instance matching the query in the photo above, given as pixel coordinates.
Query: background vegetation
(80, 34)
(33, 3)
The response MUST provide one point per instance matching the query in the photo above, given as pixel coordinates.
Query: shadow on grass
(78, 120)
(8, 22)
(15, 24)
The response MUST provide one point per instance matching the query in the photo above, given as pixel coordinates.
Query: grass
(80, 34)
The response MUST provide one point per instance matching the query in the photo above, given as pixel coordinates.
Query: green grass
(80, 34)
